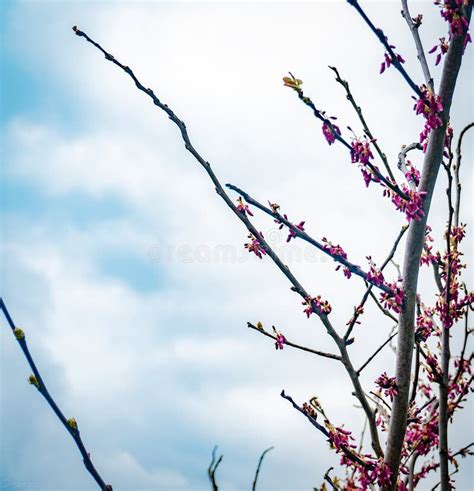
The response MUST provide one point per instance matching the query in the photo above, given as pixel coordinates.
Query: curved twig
(257, 472)
(293, 345)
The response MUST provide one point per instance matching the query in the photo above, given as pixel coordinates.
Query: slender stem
(211, 471)
(445, 348)
(382, 309)
(293, 345)
(457, 166)
(358, 110)
(376, 352)
(36, 380)
(413, 250)
(416, 376)
(419, 46)
(257, 472)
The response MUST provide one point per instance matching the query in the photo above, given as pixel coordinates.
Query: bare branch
(419, 46)
(376, 352)
(293, 345)
(69, 424)
(257, 472)
(211, 471)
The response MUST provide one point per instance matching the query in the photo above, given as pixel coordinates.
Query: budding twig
(69, 424)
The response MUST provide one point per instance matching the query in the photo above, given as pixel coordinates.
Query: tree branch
(419, 46)
(69, 424)
(413, 250)
(211, 471)
(293, 345)
(257, 472)
(381, 36)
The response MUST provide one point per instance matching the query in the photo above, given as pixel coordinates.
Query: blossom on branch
(429, 105)
(255, 246)
(388, 384)
(243, 207)
(316, 304)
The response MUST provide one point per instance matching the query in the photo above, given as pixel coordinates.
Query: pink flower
(389, 60)
(360, 151)
(255, 246)
(388, 384)
(374, 275)
(292, 233)
(429, 105)
(443, 47)
(413, 207)
(280, 341)
(412, 174)
(330, 130)
(243, 208)
(393, 302)
(316, 303)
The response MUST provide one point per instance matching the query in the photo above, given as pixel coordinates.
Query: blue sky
(111, 234)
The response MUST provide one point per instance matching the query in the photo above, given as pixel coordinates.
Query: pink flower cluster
(427, 257)
(443, 47)
(255, 246)
(330, 130)
(316, 303)
(374, 276)
(360, 151)
(336, 251)
(291, 233)
(412, 174)
(429, 105)
(451, 11)
(243, 207)
(393, 302)
(413, 207)
(425, 325)
(280, 341)
(388, 59)
(388, 384)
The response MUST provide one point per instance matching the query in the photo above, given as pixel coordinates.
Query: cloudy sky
(128, 273)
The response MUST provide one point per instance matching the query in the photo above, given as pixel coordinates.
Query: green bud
(72, 423)
(33, 381)
(19, 334)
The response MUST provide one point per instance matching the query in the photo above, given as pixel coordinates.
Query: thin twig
(367, 131)
(211, 471)
(347, 451)
(257, 472)
(376, 352)
(293, 345)
(419, 46)
(382, 309)
(328, 479)
(69, 424)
